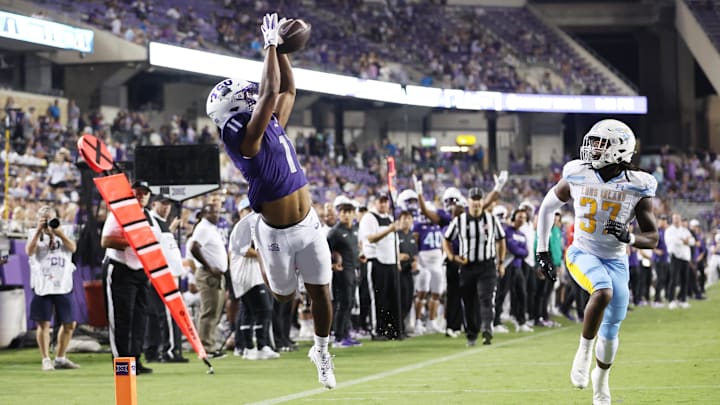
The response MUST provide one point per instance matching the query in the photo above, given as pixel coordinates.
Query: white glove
(500, 180)
(417, 184)
(271, 29)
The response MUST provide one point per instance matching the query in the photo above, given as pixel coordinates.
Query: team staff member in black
(482, 242)
(343, 240)
(377, 232)
(408, 247)
(126, 286)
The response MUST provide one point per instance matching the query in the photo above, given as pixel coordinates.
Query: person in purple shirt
(662, 263)
(288, 235)
(514, 279)
(699, 259)
(635, 273)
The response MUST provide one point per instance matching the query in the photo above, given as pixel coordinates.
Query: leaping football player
(288, 234)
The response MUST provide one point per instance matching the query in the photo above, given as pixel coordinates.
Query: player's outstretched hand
(618, 230)
(500, 180)
(271, 29)
(545, 267)
(417, 184)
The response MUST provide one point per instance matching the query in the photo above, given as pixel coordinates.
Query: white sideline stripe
(410, 367)
(529, 390)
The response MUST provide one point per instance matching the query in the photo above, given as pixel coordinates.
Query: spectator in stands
(50, 252)
(73, 119)
(53, 110)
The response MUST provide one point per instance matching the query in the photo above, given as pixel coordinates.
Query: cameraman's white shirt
(51, 267)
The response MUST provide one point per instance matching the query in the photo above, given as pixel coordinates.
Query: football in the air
(294, 34)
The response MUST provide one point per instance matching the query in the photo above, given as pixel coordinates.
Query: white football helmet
(608, 142)
(230, 97)
(405, 200)
(451, 196)
(500, 211)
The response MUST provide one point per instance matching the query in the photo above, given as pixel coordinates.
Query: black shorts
(60, 184)
(41, 308)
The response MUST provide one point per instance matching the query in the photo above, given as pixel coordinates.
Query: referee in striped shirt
(482, 244)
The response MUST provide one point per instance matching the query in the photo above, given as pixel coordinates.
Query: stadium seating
(707, 13)
(473, 48)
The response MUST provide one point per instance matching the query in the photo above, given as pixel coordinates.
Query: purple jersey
(429, 236)
(271, 174)
(445, 219)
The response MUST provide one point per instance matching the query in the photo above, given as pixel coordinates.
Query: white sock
(46, 358)
(321, 343)
(602, 372)
(60, 359)
(606, 349)
(586, 344)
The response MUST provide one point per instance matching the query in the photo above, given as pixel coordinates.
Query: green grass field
(665, 357)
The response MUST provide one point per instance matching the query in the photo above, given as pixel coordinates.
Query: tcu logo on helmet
(230, 97)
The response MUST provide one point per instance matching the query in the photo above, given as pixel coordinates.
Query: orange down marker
(125, 385)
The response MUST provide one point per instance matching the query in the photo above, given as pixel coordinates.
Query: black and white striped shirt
(477, 235)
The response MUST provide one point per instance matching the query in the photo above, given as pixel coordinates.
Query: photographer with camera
(51, 277)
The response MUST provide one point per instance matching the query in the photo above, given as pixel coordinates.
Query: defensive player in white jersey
(607, 193)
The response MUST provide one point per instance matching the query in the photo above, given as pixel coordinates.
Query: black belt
(118, 263)
(480, 262)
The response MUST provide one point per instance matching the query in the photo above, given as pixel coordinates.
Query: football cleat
(580, 372)
(601, 386)
(325, 367)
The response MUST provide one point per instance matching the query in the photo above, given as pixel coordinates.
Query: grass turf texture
(665, 357)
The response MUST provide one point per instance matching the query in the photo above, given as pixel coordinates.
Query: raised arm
(269, 90)
(433, 216)
(494, 195)
(286, 99)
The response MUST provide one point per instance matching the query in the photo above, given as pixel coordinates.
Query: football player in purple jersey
(429, 278)
(288, 235)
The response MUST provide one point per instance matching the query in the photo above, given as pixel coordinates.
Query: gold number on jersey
(612, 207)
(589, 226)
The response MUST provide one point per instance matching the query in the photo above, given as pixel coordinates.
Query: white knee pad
(605, 349)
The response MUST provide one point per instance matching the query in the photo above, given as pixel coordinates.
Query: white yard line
(410, 367)
(525, 390)
(373, 394)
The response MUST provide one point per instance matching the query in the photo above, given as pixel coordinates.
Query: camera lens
(54, 223)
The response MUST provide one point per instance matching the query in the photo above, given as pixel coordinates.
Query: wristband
(632, 239)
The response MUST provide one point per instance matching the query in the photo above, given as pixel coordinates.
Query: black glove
(618, 230)
(545, 266)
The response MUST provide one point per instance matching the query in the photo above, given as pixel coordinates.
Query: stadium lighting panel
(212, 64)
(43, 32)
